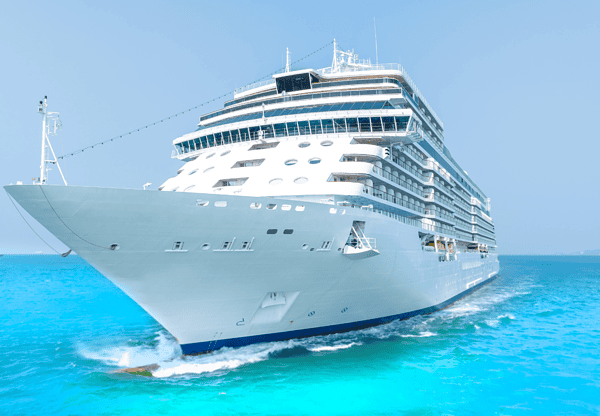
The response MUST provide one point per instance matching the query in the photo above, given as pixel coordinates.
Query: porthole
(303, 145)
(207, 169)
(314, 160)
(114, 247)
(291, 162)
(211, 155)
(288, 231)
(272, 206)
(226, 153)
(255, 205)
(301, 180)
(194, 171)
(180, 170)
(276, 181)
(221, 204)
(201, 203)
(304, 246)
(299, 207)
(205, 246)
(326, 143)
(272, 231)
(286, 207)
(189, 188)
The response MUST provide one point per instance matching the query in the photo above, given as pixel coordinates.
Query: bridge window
(365, 124)
(327, 126)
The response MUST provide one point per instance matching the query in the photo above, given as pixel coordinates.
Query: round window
(226, 153)
(211, 168)
(291, 162)
(189, 188)
(276, 181)
(314, 160)
(303, 145)
(205, 246)
(301, 180)
(194, 171)
(326, 143)
(211, 155)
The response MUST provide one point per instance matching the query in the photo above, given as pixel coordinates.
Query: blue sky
(515, 83)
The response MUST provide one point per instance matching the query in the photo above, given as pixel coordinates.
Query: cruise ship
(318, 201)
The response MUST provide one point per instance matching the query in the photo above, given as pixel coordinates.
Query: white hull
(210, 298)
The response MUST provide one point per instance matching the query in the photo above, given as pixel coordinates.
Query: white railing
(254, 85)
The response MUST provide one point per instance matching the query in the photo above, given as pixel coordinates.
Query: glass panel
(377, 106)
(245, 135)
(315, 127)
(254, 132)
(340, 125)
(197, 143)
(347, 106)
(286, 112)
(365, 124)
(367, 106)
(336, 107)
(303, 110)
(186, 147)
(210, 140)
(327, 126)
(280, 130)
(314, 109)
(303, 127)
(268, 131)
(401, 123)
(352, 124)
(357, 106)
(226, 137)
(270, 113)
(235, 136)
(292, 129)
(376, 124)
(325, 108)
(388, 123)
(277, 112)
(218, 138)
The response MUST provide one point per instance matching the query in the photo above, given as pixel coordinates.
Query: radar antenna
(51, 125)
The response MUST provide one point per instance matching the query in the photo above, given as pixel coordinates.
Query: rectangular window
(347, 106)
(268, 132)
(218, 138)
(246, 245)
(280, 130)
(327, 126)
(401, 123)
(303, 128)
(260, 146)
(235, 136)
(210, 140)
(340, 125)
(197, 143)
(292, 129)
(315, 127)
(178, 245)
(365, 124)
(226, 137)
(376, 124)
(368, 106)
(245, 135)
(352, 125)
(230, 182)
(388, 123)
(254, 132)
(248, 163)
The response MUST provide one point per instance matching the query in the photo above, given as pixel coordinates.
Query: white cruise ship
(318, 201)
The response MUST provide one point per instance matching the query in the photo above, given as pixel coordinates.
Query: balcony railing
(397, 180)
(369, 190)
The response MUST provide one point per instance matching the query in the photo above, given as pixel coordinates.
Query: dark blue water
(527, 343)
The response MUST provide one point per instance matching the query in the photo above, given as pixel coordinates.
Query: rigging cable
(183, 112)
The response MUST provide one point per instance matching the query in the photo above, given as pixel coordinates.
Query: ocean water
(527, 343)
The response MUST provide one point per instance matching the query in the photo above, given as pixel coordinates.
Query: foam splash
(333, 347)
(425, 334)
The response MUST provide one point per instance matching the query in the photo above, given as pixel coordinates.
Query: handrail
(369, 190)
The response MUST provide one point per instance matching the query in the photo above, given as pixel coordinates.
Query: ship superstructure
(315, 202)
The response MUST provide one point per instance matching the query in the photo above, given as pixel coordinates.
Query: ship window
(326, 143)
(327, 126)
(303, 128)
(401, 123)
(255, 205)
(272, 206)
(226, 245)
(180, 170)
(244, 134)
(208, 169)
(272, 231)
(304, 145)
(230, 182)
(276, 181)
(304, 246)
(286, 207)
(376, 124)
(210, 139)
(297, 82)
(205, 246)
(325, 108)
(189, 188)
(226, 153)
(368, 106)
(340, 125)
(365, 124)
(291, 162)
(301, 180)
(254, 132)
(178, 245)
(352, 124)
(280, 130)
(201, 203)
(246, 245)
(288, 231)
(314, 160)
(292, 128)
(315, 127)
(388, 123)
(174, 189)
(268, 131)
(248, 163)
(347, 106)
(218, 138)
(194, 171)
(211, 155)
(260, 146)
(221, 204)
(226, 137)
(235, 136)
(300, 207)
(332, 210)
(326, 245)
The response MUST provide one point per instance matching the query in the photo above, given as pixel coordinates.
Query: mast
(43, 110)
(48, 119)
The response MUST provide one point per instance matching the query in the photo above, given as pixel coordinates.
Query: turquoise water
(526, 343)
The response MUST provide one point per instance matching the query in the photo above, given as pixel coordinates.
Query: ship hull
(214, 291)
